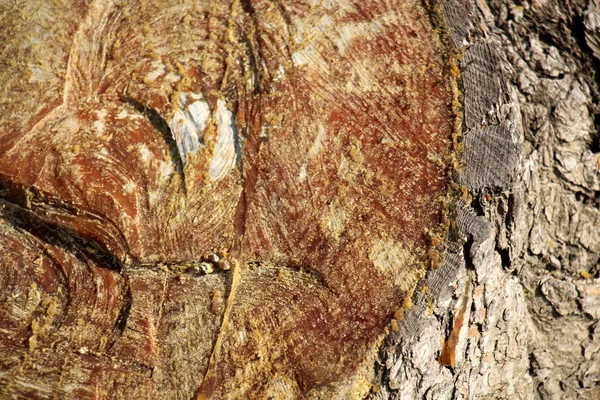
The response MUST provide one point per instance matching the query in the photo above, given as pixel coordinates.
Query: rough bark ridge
(525, 287)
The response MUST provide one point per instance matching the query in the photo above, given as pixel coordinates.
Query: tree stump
(306, 199)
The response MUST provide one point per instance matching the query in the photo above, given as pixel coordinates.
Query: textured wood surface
(215, 199)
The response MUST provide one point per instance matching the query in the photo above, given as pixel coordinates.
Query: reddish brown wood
(325, 134)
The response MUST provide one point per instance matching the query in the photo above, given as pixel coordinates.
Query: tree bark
(142, 308)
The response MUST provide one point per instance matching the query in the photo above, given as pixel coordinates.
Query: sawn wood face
(304, 143)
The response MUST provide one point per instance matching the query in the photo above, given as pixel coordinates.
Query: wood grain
(222, 199)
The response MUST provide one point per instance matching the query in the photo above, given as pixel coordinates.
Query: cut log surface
(213, 199)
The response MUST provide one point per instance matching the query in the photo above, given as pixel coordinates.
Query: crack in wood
(161, 126)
